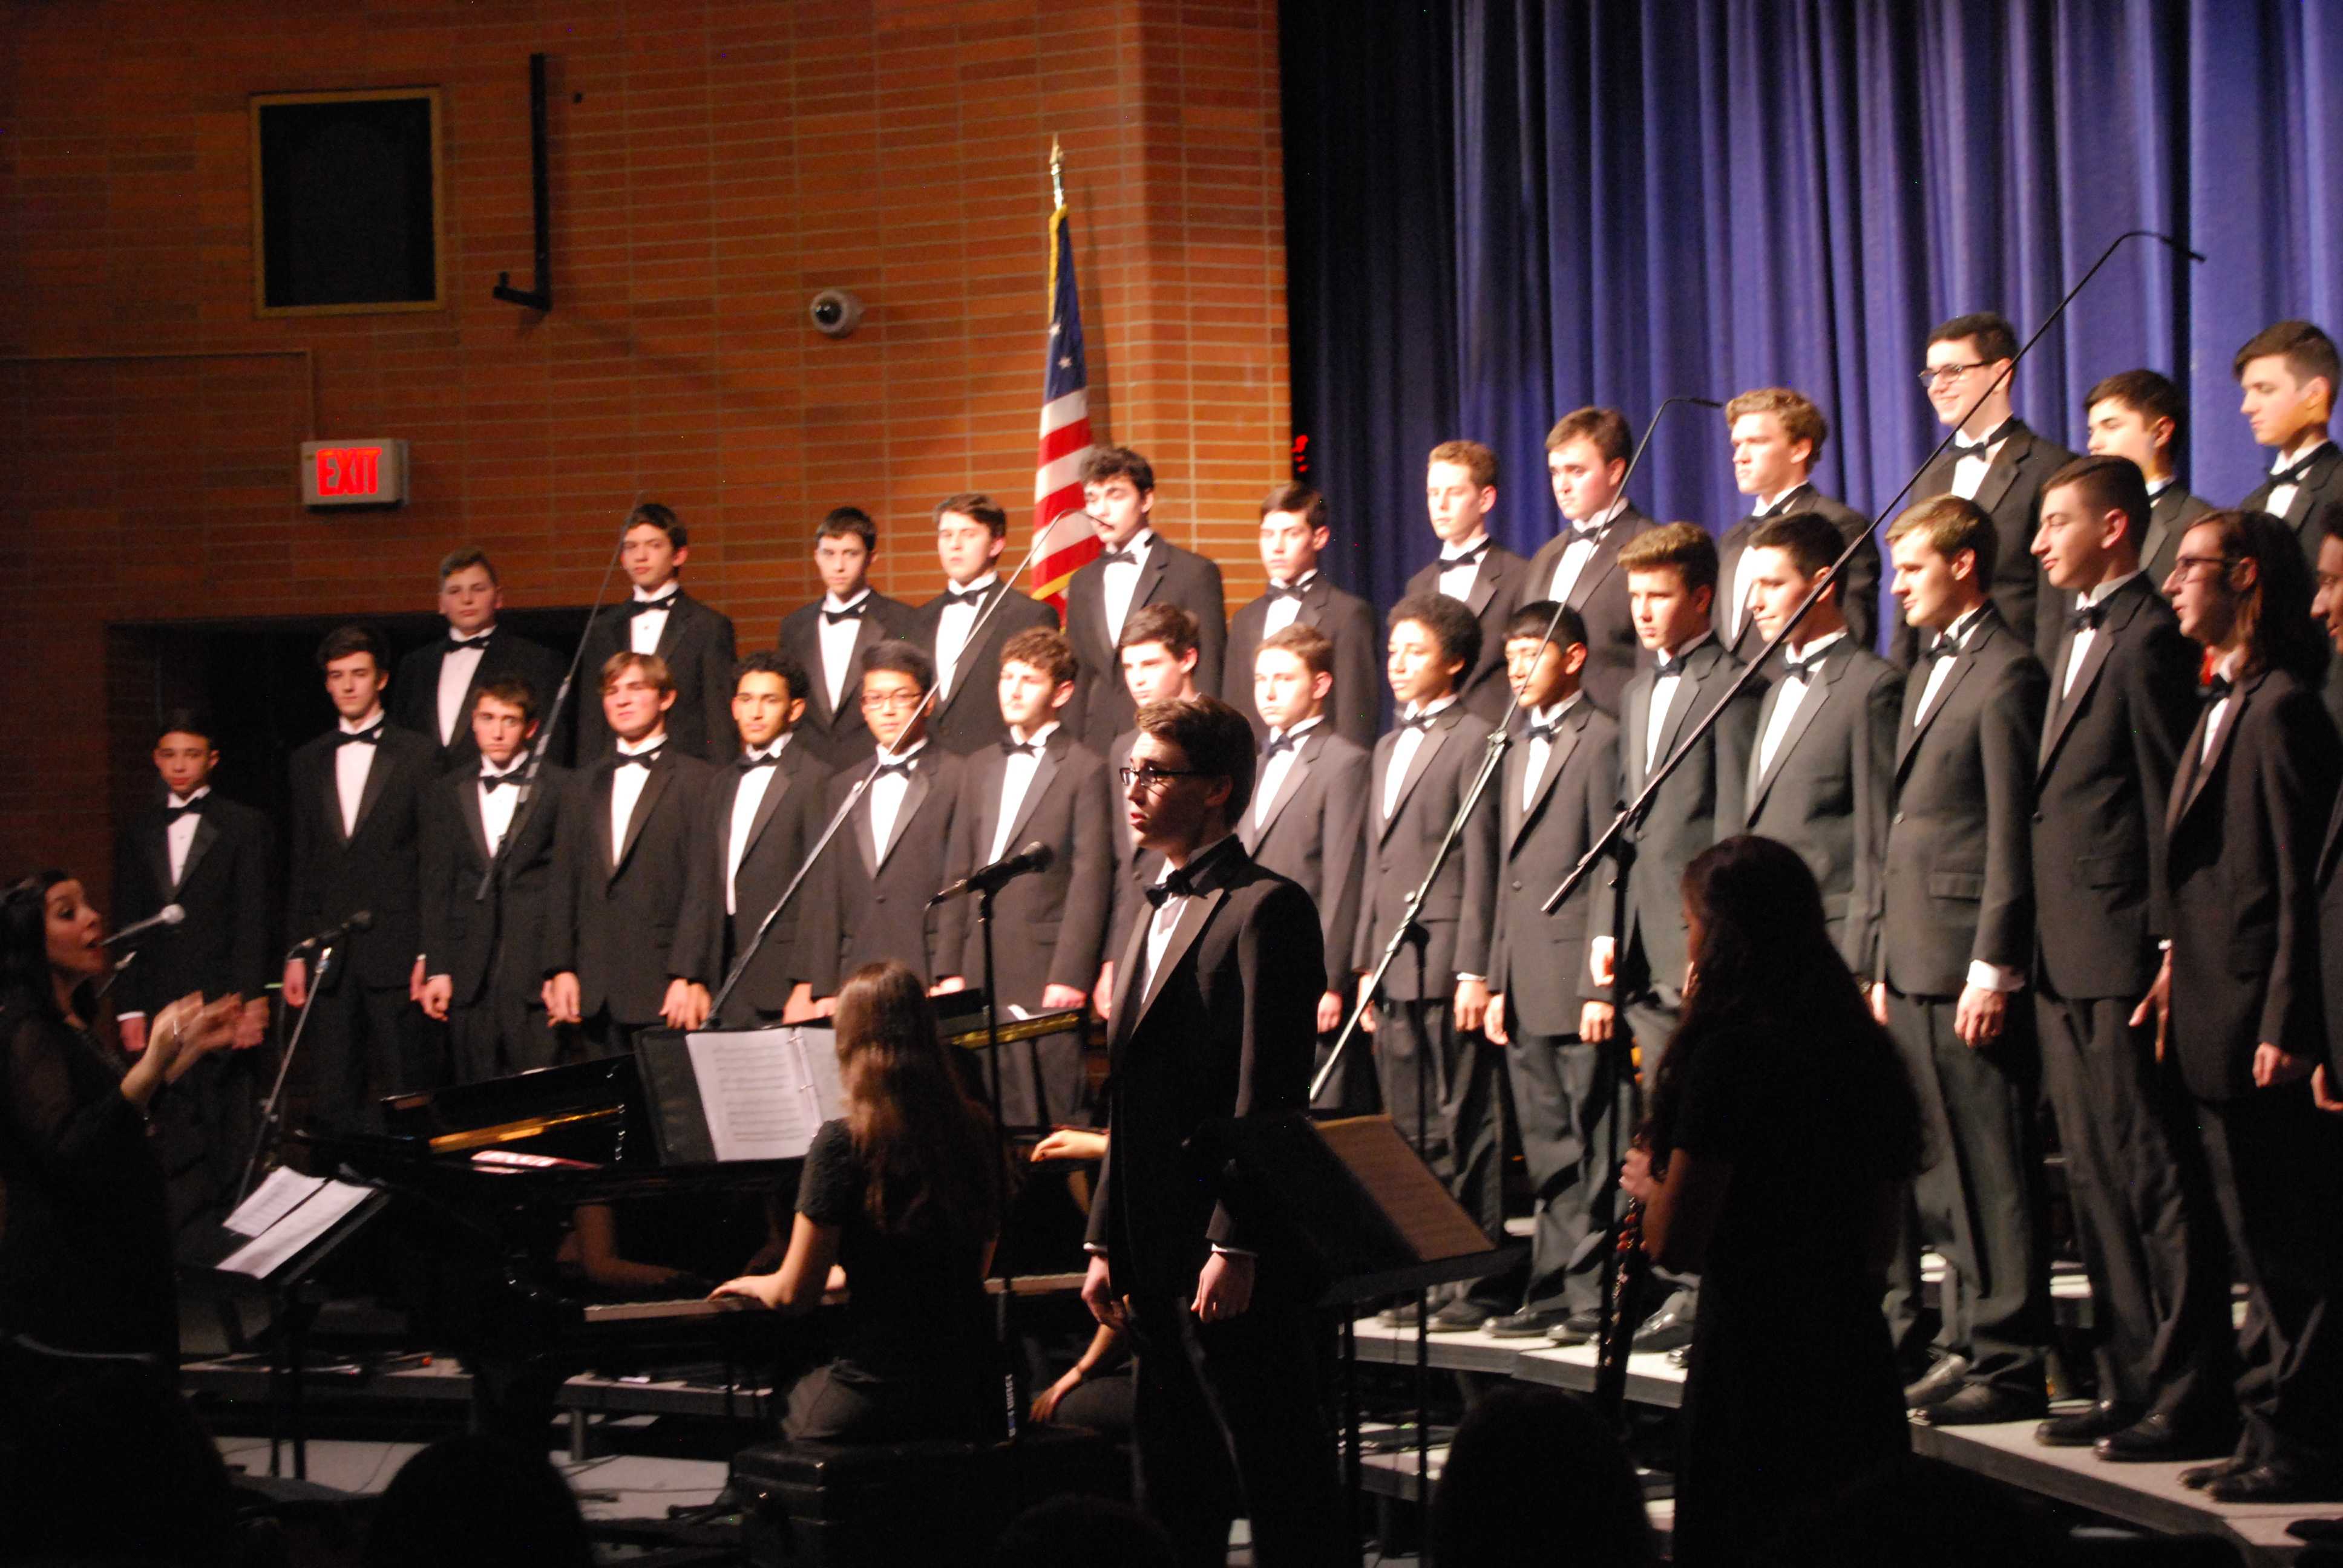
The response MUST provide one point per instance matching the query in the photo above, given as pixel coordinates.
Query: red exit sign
(353, 473)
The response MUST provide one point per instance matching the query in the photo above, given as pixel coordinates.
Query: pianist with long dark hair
(86, 1268)
(900, 1201)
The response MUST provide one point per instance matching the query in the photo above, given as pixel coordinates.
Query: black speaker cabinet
(346, 202)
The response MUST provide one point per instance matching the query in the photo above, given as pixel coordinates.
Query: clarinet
(1629, 1268)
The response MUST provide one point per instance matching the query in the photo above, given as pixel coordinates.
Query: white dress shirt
(746, 798)
(1794, 690)
(496, 805)
(1273, 771)
(1969, 468)
(1284, 608)
(1669, 681)
(1405, 747)
(2084, 634)
(457, 667)
(1167, 919)
(627, 788)
(2220, 714)
(351, 766)
(2281, 496)
(644, 630)
(1581, 549)
(1457, 575)
(953, 626)
(1539, 748)
(836, 640)
(1016, 778)
(180, 836)
(886, 794)
(1940, 665)
(1121, 581)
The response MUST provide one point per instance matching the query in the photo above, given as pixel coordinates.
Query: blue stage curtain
(1645, 197)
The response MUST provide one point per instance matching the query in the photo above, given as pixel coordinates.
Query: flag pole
(1058, 173)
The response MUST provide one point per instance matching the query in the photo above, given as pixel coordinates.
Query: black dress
(916, 1356)
(86, 1263)
(1793, 1392)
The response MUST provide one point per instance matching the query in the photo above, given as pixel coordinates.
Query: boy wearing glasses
(1995, 460)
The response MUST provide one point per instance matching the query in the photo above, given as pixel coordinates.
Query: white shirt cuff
(1993, 977)
(126, 1017)
(1233, 1252)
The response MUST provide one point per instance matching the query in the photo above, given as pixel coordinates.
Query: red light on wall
(353, 473)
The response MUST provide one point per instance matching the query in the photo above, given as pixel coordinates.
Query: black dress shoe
(2085, 1427)
(1663, 1331)
(1943, 1378)
(1567, 1333)
(2159, 1439)
(2277, 1481)
(1981, 1404)
(1522, 1325)
(1586, 1324)
(2199, 1477)
(1459, 1317)
(1400, 1317)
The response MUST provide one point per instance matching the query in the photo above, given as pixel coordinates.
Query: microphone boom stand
(272, 1111)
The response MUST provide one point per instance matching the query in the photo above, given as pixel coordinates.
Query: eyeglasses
(2183, 563)
(889, 701)
(1150, 778)
(1937, 375)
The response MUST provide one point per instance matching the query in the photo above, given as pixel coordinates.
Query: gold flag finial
(1056, 172)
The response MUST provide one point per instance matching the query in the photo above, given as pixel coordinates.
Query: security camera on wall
(835, 313)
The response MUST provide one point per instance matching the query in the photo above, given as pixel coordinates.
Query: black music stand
(1367, 1219)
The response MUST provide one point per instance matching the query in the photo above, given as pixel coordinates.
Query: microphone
(169, 915)
(360, 921)
(1034, 857)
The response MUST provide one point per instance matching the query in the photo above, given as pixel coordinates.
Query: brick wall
(714, 164)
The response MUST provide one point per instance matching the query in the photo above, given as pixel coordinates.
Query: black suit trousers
(1449, 1086)
(1229, 1414)
(1568, 1102)
(2276, 1162)
(502, 1033)
(2145, 1220)
(1977, 1200)
(364, 1043)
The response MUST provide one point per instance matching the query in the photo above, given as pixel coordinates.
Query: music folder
(720, 1096)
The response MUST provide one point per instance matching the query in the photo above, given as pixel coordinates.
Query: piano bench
(881, 1504)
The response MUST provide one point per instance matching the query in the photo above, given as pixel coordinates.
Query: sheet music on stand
(729, 1095)
(284, 1218)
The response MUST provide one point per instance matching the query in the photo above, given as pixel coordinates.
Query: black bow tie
(2294, 473)
(362, 737)
(456, 643)
(750, 764)
(1545, 732)
(1944, 644)
(1422, 722)
(1978, 448)
(646, 606)
(852, 612)
(1668, 663)
(1587, 533)
(1180, 884)
(1032, 748)
(173, 813)
(1282, 743)
(1470, 558)
(492, 782)
(2219, 687)
(971, 597)
(1287, 591)
(2086, 618)
(1126, 556)
(901, 769)
(646, 760)
(1806, 669)
(1778, 508)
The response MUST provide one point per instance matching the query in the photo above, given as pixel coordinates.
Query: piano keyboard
(607, 1313)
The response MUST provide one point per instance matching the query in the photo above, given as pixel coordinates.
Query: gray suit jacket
(2169, 517)
(1049, 928)
(1539, 962)
(1399, 847)
(1313, 832)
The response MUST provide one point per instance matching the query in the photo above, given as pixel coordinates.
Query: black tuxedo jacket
(1349, 621)
(1101, 708)
(617, 910)
(1312, 831)
(1399, 856)
(415, 693)
(2169, 517)
(1858, 594)
(2316, 500)
(1600, 597)
(2011, 496)
(1960, 866)
(1539, 960)
(788, 821)
(1700, 802)
(223, 944)
(967, 717)
(838, 737)
(1050, 926)
(470, 938)
(2240, 867)
(871, 907)
(2330, 941)
(699, 652)
(1501, 587)
(2101, 781)
(1828, 789)
(378, 869)
(1226, 1026)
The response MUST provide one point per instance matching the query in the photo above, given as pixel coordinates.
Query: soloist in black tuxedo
(1500, 587)
(366, 1037)
(870, 906)
(617, 909)
(838, 737)
(414, 695)
(2143, 1215)
(2169, 514)
(1600, 597)
(2240, 878)
(967, 713)
(788, 821)
(2012, 496)
(1565, 1091)
(1102, 709)
(1220, 1029)
(1960, 889)
(699, 652)
(2318, 497)
(1048, 928)
(1858, 590)
(492, 947)
(1348, 622)
(1827, 790)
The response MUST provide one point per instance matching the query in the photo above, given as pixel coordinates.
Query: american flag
(1067, 540)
